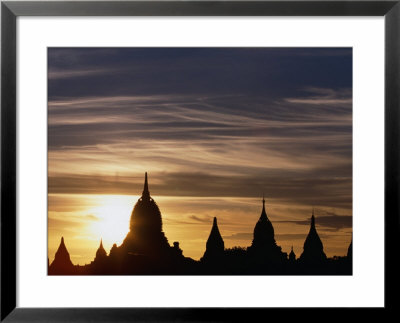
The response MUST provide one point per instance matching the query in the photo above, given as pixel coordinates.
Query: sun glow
(113, 215)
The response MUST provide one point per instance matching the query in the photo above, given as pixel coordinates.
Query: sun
(113, 215)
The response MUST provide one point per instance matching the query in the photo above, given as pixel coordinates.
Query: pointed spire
(263, 236)
(146, 193)
(101, 252)
(263, 212)
(62, 252)
(215, 244)
(101, 244)
(350, 249)
(312, 219)
(61, 264)
(292, 255)
(214, 229)
(313, 247)
(62, 248)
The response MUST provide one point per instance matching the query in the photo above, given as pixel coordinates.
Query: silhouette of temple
(146, 251)
(145, 235)
(62, 264)
(215, 246)
(350, 250)
(292, 256)
(264, 245)
(313, 250)
(101, 253)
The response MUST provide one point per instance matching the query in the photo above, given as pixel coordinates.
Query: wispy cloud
(239, 236)
(330, 221)
(64, 74)
(248, 145)
(323, 96)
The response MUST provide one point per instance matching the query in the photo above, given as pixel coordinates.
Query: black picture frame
(10, 10)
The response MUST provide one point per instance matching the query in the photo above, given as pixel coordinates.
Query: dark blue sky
(273, 72)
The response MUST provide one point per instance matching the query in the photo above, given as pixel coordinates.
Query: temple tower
(263, 236)
(264, 254)
(313, 248)
(350, 250)
(62, 264)
(101, 253)
(215, 244)
(145, 235)
(292, 256)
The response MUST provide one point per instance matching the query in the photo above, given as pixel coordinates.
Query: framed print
(153, 152)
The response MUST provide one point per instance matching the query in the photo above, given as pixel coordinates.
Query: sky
(215, 128)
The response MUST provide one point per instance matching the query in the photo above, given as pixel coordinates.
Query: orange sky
(85, 219)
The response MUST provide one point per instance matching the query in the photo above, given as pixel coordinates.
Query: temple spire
(312, 219)
(263, 212)
(263, 236)
(313, 247)
(215, 244)
(146, 193)
(101, 252)
(61, 264)
(62, 248)
(292, 255)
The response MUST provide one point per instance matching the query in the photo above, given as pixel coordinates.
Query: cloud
(203, 219)
(322, 96)
(239, 236)
(306, 188)
(185, 118)
(71, 221)
(92, 217)
(57, 223)
(199, 133)
(202, 146)
(330, 221)
(55, 74)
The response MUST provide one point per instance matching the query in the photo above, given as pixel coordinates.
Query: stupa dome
(145, 235)
(313, 247)
(215, 244)
(264, 235)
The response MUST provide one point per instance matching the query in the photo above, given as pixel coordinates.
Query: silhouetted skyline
(216, 128)
(146, 251)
